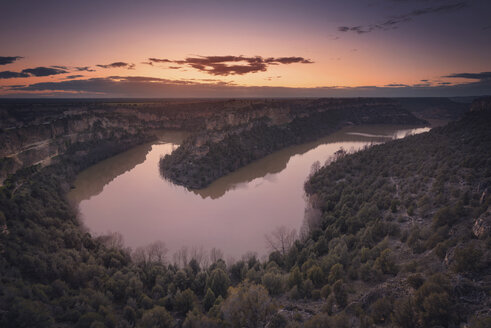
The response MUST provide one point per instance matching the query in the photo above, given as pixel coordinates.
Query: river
(126, 194)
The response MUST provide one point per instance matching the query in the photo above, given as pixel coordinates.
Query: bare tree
(154, 252)
(157, 251)
(281, 239)
(199, 254)
(215, 255)
(181, 257)
(112, 240)
(139, 256)
(316, 166)
(312, 220)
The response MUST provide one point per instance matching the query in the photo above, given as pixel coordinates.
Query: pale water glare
(126, 194)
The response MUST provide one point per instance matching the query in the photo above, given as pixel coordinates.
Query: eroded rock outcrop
(482, 225)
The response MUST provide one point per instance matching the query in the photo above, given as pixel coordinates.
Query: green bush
(218, 282)
(467, 259)
(404, 315)
(340, 294)
(158, 317)
(273, 283)
(381, 310)
(385, 262)
(415, 280)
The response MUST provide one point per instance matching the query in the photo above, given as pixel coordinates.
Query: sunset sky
(229, 48)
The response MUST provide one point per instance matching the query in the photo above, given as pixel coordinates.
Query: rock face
(239, 137)
(34, 132)
(482, 226)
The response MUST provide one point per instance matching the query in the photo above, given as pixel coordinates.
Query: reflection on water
(91, 181)
(277, 162)
(126, 194)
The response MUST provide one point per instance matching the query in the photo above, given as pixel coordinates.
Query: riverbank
(211, 154)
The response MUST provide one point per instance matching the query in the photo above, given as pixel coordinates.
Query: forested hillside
(398, 235)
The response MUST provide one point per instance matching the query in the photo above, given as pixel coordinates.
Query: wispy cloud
(395, 21)
(84, 69)
(477, 76)
(73, 76)
(118, 65)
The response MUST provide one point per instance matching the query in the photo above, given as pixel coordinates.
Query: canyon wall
(238, 138)
(37, 131)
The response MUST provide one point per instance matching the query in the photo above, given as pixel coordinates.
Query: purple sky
(159, 48)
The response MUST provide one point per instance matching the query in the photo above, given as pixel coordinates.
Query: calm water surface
(126, 194)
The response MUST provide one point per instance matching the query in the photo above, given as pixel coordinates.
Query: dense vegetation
(390, 243)
(196, 166)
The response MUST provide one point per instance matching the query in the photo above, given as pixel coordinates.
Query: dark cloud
(38, 71)
(9, 60)
(11, 75)
(174, 67)
(158, 61)
(60, 67)
(74, 76)
(118, 65)
(145, 79)
(44, 71)
(84, 69)
(231, 65)
(477, 76)
(394, 22)
(289, 60)
(396, 85)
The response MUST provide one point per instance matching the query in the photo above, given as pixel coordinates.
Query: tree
(316, 274)
(209, 299)
(27, 313)
(199, 255)
(181, 257)
(404, 314)
(385, 262)
(281, 239)
(340, 294)
(295, 277)
(335, 273)
(215, 255)
(437, 310)
(273, 282)
(157, 251)
(248, 306)
(218, 282)
(381, 309)
(112, 240)
(157, 317)
(152, 253)
(185, 301)
(467, 259)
